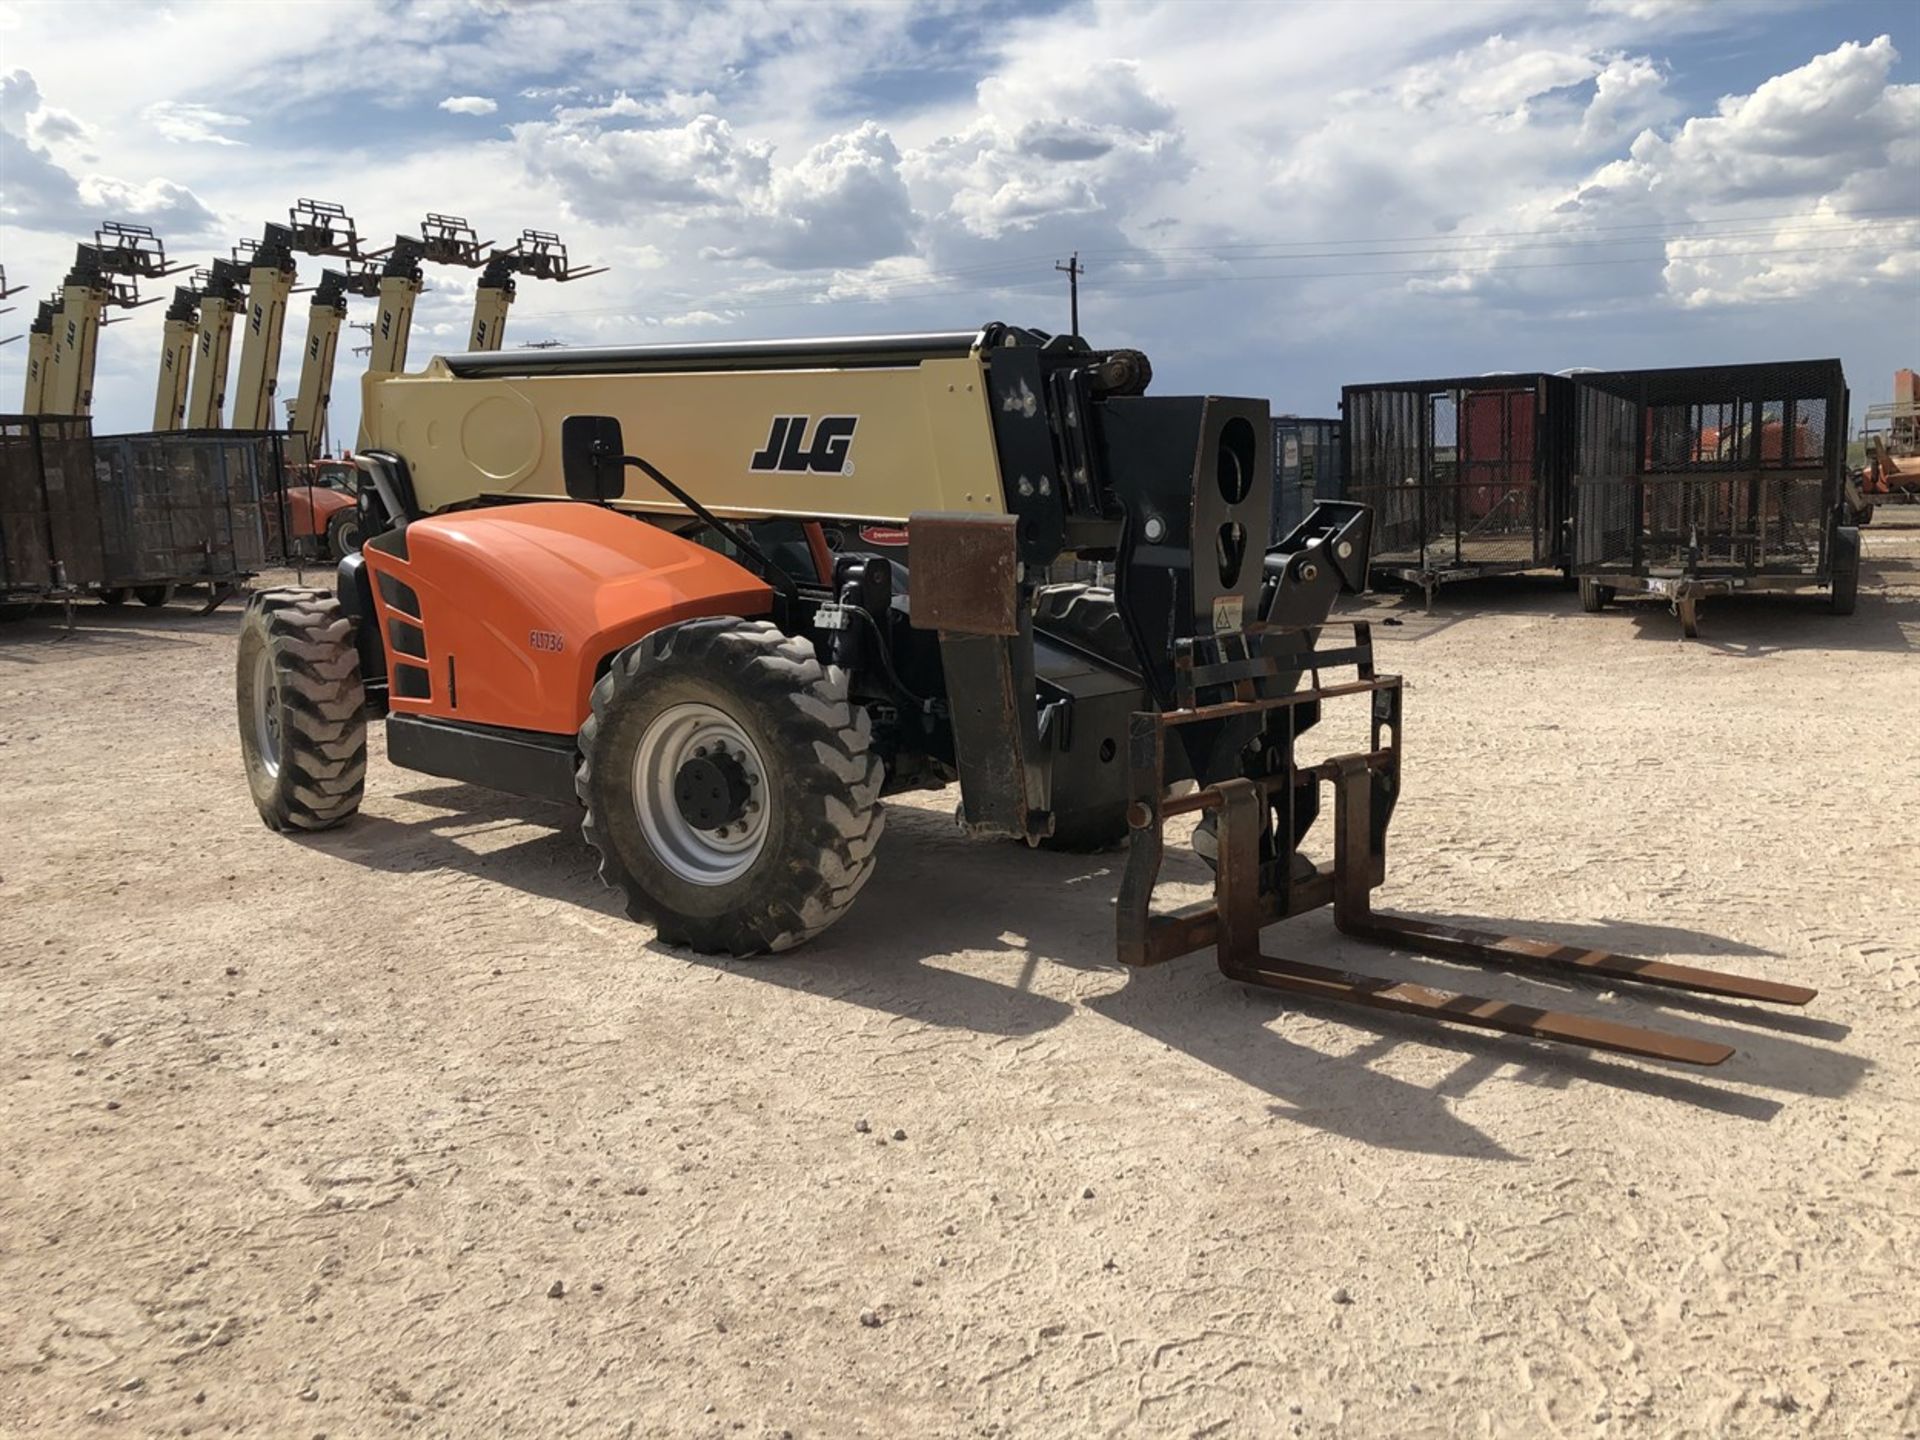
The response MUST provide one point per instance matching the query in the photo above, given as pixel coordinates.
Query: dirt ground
(403, 1129)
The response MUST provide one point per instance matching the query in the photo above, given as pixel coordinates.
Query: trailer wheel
(343, 534)
(114, 596)
(1594, 597)
(302, 709)
(1846, 570)
(731, 789)
(153, 596)
(1087, 618)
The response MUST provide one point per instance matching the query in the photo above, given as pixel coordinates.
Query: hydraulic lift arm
(324, 316)
(76, 337)
(270, 278)
(221, 294)
(104, 274)
(176, 358)
(40, 356)
(538, 255)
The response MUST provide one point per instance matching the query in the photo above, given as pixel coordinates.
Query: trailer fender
(504, 616)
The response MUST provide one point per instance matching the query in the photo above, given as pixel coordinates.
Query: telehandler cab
(667, 639)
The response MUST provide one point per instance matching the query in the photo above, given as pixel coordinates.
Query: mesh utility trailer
(1306, 468)
(1466, 477)
(189, 507)
(1710, 480)
(49, 512)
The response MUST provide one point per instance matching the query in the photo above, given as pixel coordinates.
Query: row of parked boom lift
(219, 458)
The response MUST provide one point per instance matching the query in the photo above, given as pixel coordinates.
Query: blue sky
(1271, 200)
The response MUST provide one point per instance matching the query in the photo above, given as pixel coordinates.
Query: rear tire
(1845, 570)
(343, 534)
(302, 709)
(114, 596)
(153, 596)
(805, 757)
(1594, 597)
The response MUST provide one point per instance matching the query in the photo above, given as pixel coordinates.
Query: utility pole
(1073, 270)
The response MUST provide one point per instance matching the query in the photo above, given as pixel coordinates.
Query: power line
(902, 286)
(1894, 211)
(1214, 278)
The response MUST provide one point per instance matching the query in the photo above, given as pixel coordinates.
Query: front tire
(114, 596)
(153, 596)
(343, 534)
(1594, 597)
(731, 789)
(302, 710)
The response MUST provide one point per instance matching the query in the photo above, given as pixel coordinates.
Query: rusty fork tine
(1517, 951)
(1406, 998)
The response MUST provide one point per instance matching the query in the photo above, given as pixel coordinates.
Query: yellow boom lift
(223, 290)
(270, 277)
(538, 255)
(176, 358)
(322, 228)
(105, 274)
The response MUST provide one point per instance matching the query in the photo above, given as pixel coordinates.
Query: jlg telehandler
(666, 638)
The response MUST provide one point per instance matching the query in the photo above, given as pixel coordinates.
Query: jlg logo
(787, 452)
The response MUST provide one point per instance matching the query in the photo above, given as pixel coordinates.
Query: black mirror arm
(769, 571)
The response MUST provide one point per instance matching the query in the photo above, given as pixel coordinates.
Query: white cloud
(1048, 145)
(1805, 152)
(469, 105)
(187, 123)
(41, 193)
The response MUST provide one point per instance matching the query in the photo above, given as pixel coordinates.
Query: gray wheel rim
(701, 857)
(266, 711)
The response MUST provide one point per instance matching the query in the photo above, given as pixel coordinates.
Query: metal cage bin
(189, 506)
(1713, 479)
(49, 510)
(1465, 477)
(1306, 468)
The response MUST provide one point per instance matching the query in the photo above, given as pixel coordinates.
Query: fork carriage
(1258, 881)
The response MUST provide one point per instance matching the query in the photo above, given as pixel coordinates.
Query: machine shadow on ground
(1742, 625)
(45, 634)
(929, 901)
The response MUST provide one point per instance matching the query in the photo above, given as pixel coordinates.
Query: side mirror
(590, 457)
